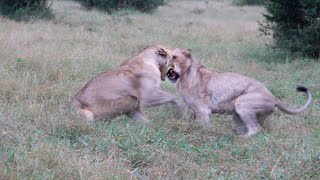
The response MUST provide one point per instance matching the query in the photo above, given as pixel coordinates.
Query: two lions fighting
(135, 84)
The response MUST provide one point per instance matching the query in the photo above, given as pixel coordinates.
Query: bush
(112, 5)
(294, 25)
(25, 9)
(249, 2)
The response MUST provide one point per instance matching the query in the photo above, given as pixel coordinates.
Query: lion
(207, 92)
(128, 89)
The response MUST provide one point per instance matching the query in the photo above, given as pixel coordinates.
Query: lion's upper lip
(169, 71)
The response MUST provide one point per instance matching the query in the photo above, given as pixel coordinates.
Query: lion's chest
(193, 94)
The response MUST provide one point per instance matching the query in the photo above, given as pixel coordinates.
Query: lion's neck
(193, 68)
(146, 58)
(191, 72)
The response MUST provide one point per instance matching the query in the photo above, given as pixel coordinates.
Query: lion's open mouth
(172, 75)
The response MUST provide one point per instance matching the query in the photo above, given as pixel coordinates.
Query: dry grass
(43, 63)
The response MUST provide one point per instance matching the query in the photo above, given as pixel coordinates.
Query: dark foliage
(249, 2)
(25, 9)
(294, 25)
(112, 5)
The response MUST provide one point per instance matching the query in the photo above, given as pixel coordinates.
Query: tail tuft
(302, 89)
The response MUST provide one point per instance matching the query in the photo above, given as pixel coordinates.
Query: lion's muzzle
(172, 74)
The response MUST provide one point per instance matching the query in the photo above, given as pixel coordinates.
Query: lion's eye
(174, 57)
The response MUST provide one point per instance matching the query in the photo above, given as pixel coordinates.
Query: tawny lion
(208, 92)
(128, 88)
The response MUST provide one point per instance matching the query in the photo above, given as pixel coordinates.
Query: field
(44, 63)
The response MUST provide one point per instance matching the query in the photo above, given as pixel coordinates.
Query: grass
(44, 63)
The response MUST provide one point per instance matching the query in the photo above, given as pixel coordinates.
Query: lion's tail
(288, 110)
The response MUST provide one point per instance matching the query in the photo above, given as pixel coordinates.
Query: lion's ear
(162, 52)
(187, 52)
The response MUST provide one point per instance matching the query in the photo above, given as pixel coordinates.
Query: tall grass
(44, 63)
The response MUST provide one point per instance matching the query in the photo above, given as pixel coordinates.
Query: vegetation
(44, 63)
(294, 25)
(111, 5)
(249, 2)
(25, 9)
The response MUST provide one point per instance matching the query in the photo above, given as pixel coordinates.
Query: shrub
(25, 9)
(112, 5)
(249, 2)
(294, 25)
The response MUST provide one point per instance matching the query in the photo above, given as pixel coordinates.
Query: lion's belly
(108, 108)
(222, 105)
(202, 98)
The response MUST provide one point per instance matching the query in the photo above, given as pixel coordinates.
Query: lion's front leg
(159, 97)
(203, 115)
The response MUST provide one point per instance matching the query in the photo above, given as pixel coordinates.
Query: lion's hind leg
(138, 115)
(247, 107)
(240, 126)
(88, 114)
(84, 110)
(251, 123)
(253, 108)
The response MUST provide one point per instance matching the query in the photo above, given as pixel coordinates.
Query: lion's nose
(171, 67)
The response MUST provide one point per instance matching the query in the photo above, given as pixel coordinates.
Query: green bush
(249, 2)
(25, 9)
(112, 5)
(294, 25)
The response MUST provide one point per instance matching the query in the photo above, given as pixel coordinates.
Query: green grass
(44, 63)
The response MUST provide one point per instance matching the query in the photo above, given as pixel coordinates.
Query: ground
(44, 63)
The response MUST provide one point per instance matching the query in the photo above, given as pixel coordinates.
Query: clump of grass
(198, 11)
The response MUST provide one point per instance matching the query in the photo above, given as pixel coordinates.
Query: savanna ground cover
(44, 63)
